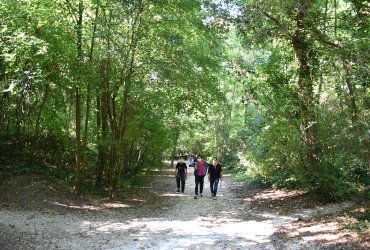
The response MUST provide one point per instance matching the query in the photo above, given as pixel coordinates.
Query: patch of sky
(230, 9)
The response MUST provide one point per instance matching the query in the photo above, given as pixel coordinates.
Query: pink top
(202, 168)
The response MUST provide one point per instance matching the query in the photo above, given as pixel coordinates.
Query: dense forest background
(99, 92)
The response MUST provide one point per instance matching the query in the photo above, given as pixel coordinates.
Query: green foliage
(362, 225)
(18, 160)
(265, 63)
(162, 78)
(146, 72)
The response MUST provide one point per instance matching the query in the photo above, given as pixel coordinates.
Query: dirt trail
(156, 217)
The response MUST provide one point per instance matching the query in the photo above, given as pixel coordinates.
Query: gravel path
(156, 217)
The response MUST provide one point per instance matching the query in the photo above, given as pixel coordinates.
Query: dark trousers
(214, 184)
(199, 181)
(180, 178)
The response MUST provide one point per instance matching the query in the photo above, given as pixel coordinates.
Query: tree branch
(281, 26)
(71, 11)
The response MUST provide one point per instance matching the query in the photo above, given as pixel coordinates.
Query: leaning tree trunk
(308, 126)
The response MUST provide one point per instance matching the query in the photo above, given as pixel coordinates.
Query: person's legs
(201, 184)
(182, 185)
(178, 183)
(196, 184)
(215, 183)
(211, 185)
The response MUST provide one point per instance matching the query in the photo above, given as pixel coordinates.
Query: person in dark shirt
(214, 176)
(181, 174)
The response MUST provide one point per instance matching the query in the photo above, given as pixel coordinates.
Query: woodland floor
(39, 213)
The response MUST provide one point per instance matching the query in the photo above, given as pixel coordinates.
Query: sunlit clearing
(91, 207)
(138, 200)
(172, 195)
(339, 237)
(202, 230)
(277, 219)
(325, 231)
(277, 194)
(115, 205)
(319, 228)
(165, 175)
(362, 210)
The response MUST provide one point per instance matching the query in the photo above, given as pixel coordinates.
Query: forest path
(156, 217)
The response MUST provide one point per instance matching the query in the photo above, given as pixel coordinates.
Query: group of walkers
(201, 169)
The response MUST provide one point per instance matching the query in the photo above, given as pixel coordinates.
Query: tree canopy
(107, 89)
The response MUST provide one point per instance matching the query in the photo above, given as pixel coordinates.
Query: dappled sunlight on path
(177, 233)
(157, 217)
(178, 221)
(188, 223)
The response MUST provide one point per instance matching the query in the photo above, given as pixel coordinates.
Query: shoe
(195, 196)
(178, 190)
(201, 195)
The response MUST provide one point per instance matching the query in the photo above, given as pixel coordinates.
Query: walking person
(214, 176)
(181, 172)
(190, 160)
(200, 171)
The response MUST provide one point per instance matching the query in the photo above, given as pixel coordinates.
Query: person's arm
(176, 170)
(186, 172)
(205, 167)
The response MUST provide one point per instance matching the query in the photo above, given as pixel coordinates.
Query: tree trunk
(335, 19)
(351, 93)
(79, 163)
(361, 8)
(78, 143)
(103, 100)
(3, 101)
(99, 170)
(102, 124)
(40, 111)
(308, 126)
(119, 123)
(88, 96)
(177, 135)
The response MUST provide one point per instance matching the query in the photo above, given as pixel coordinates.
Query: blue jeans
(214, 185)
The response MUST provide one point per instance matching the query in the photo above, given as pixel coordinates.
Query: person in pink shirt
(200, 170)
